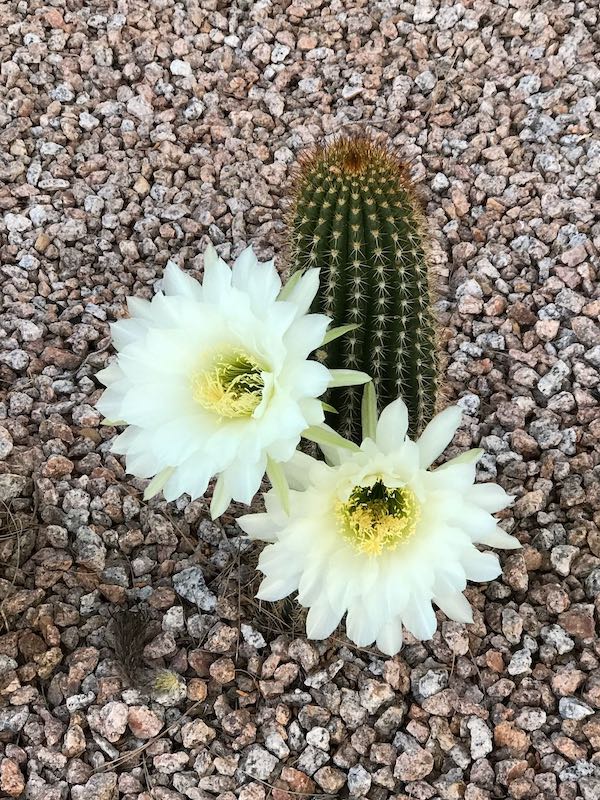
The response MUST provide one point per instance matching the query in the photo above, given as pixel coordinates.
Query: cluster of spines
(356, 218)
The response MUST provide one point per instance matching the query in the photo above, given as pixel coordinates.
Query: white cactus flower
(378, 536)
(214, 379)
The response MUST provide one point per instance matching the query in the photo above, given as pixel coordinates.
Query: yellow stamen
(231, 387)
(378, 518)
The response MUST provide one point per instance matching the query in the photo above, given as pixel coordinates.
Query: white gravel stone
(258, 763)
(359, 781)
(181, 68)
(140, 108)
(481, 738)
(572, 708)
(190, 584)
(6, 442)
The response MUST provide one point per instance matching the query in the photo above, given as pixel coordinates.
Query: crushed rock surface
(133, 132)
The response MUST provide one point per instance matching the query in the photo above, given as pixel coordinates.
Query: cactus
(356, 217)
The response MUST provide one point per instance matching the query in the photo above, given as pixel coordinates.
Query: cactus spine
(355, 216)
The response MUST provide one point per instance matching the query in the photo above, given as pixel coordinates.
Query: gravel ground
(134, 131)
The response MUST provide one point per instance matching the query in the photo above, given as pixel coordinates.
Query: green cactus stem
(356, 217)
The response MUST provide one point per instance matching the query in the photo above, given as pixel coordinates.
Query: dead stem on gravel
(130, 633)
(10, 524)
(147, 778)
(12, 527)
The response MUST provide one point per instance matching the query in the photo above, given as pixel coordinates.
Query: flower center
(231, 387)
(378, 518)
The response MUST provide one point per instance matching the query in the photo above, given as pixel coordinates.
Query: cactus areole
(355, 216)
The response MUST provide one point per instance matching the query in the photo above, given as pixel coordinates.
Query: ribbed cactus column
(356, 217)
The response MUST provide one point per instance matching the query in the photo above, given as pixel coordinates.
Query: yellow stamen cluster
(378, 518)
(231, 387)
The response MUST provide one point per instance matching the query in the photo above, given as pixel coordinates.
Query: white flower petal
(457, 478)
(152, 404)
(312, 411)
(455, 606)
(258, 526)
(220, 499)
(449, 578)
(333, 455)
(419, 617)
(389, 638)
(490, 497)
(141, 464)
(243, 479)
(279, 321)
(127, 331)
(468, 457)
(217, 277)
(177, 282)
(157, 483)
(392, 426)
(283, 449)
(282, 421)
(321, 621)
(110, 404)
(339, 591)
(305, 334)
(481, 566)
(275, 560)
(361, 628)
(259, 281)
(469, 518)
(141, 308)
(310, 378)
(110, 374)
(181, 439)
(192, 476)
(438, 434)
(297, 470)
(304, 291)
(275, 588)
(128, 440)
(499, 538)
(311, 583)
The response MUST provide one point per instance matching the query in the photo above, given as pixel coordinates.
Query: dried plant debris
(131, 631)
(17, 534)
(11, 523)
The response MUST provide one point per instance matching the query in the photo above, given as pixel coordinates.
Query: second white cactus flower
(378, 536)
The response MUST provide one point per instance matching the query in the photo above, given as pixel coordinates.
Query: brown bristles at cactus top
(356, 217)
